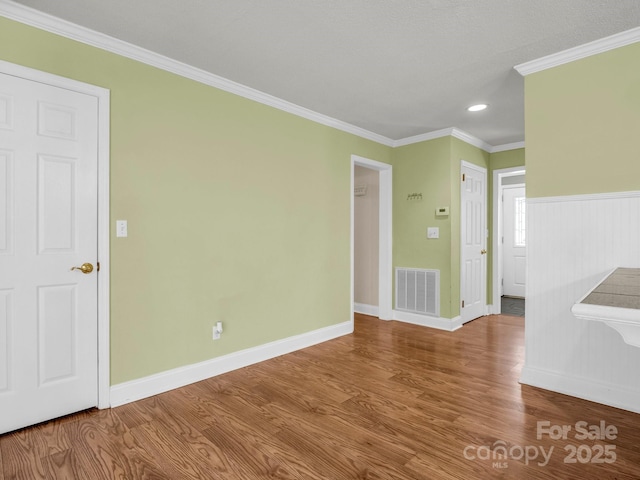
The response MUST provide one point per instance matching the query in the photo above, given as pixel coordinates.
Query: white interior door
(48, 224)
(473, 261)
(514, 246)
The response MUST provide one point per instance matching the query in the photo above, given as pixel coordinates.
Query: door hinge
(464, 177)
(98, 266)
(462, 303)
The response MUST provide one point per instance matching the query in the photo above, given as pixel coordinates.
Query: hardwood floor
(391, 401)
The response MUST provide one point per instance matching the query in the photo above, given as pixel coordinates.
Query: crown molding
(460, 135)
(507, 146)
(471, 140)
(58, 26)
(423, 137)
(64, 28)
(582, 51)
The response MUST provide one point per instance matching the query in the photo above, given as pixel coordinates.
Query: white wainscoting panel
(572, 243)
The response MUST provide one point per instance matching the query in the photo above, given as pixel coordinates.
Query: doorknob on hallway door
(483, 251)
(84, 268)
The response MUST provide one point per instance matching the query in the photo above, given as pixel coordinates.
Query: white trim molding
(460, 135)
(587, 389)
(471, 140)
(64, 28)
(127, 392)
(584, 197)
(424, 137)
(103, 98)
(448, 324)
(582, 51)
(58, 26)
(507, 147)
(365, 309)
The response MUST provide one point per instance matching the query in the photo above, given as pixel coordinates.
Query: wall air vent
(418, 291)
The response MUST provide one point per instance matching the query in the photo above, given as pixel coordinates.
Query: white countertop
(616, 302)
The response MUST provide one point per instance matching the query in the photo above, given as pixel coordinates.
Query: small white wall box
(442, 212)
(433, 232)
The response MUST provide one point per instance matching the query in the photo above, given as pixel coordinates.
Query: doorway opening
(365, 236)
(509, 241)
(380, 286)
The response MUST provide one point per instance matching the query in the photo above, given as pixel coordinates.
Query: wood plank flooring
(391, 401)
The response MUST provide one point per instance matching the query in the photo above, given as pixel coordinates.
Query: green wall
(237, 211)
(423, 168)
(432, 168)
(582, 122)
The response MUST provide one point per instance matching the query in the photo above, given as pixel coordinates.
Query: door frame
(497, 260)
(103, 97)
(385, 235)
(483, 294)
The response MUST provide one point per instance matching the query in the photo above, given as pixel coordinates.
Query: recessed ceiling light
(477, 108)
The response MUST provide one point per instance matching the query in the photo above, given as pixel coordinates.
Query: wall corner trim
(582, 51)
(448, 324)
(138, 389)
(604, 393)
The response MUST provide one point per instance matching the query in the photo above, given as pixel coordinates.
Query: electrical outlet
(217, 331)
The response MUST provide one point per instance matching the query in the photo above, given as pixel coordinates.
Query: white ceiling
(397, 68)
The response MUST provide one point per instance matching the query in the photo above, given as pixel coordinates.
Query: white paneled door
(48, 224)
(514, 246)
(473, 261)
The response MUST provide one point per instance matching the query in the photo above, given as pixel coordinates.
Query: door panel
(6, 320)
(48, 224)
(514, 247)
(473, 251)
(6, 210)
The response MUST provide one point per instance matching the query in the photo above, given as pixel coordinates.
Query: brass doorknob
(483, 251)
(85, 268)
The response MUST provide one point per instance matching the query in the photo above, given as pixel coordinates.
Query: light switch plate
(121, 228)
(433, 232)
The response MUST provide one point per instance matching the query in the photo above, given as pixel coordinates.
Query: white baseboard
(366, 309)
(449, 324)
(127, 392)
(606, 394)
